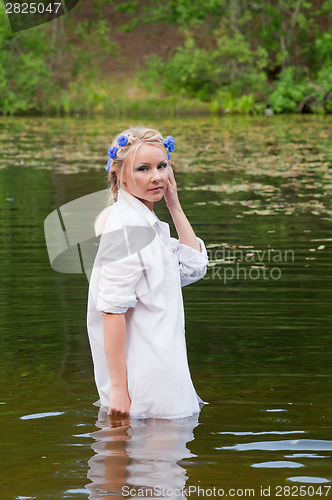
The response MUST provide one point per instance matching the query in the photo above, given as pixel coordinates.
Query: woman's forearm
(114, 327)
(183, 228)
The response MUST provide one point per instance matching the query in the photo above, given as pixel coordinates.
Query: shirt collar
(149, 215)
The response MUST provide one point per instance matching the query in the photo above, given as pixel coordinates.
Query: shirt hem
(201, 403)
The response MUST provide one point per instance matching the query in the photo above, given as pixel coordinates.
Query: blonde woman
(135, 306)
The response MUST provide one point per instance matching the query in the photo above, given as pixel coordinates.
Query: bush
(24, 76)
(305, 95)
(230, 66)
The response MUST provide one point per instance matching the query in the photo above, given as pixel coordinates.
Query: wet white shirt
(139, 270)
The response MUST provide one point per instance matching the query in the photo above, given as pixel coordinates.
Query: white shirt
(139, 270)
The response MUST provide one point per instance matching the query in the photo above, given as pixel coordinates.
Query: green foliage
(37, 67)
(237, 57)
(93, 49)
(225, 102)
(287, 94)
(323, 90)
(191, 14)
(186, 14)
(129, 7)
(24, 78)
(291, 95)
(151, 76)
(253, 42)
(323, 47)
(232, 65)
(128, 27)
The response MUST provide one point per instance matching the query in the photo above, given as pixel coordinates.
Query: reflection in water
(134, 456)
(294, 445)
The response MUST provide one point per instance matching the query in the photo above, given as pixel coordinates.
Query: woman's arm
(114, 327)
(183, 227)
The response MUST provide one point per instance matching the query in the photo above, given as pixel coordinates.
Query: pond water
(258, 191)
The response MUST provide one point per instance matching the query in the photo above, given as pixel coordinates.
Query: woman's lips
(156, 189)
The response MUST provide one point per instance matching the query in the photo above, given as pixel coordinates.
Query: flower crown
(169, 144)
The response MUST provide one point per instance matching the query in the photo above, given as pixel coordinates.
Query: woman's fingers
(171, 179)
(119, 409)
(119, 403)
(117, 412)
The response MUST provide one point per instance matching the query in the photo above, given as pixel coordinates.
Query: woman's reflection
(138, 457)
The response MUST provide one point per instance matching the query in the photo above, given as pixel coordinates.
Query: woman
(135, 306)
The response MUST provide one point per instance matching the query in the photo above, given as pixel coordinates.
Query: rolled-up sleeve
(192, 263)
(117, 284)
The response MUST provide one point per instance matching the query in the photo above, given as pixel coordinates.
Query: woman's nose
(156, 175)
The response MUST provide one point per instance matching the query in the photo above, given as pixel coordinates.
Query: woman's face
(150, 171)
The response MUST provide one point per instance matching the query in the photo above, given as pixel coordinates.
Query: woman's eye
(163, 165)
(141, 169)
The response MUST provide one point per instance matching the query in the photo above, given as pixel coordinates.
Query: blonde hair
(136, 137)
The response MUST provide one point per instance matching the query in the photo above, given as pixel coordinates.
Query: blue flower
(112, 152)
(169, 156)
(122, 140)
(169, 143)
(108, 165)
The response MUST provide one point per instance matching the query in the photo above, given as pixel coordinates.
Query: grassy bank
(128, 97)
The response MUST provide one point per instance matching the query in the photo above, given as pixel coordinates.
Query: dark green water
(258, 326)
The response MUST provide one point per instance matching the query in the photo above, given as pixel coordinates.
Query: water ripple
(298, 444)
(308, 479)
(306, 455)
(278, 465)
(42, 415)
(259, 433)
